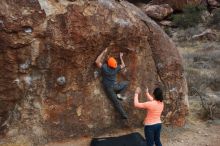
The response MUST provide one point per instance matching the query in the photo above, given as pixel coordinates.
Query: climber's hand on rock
(121, 54)
(106, 50)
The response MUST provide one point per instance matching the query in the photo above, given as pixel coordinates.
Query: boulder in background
(158, 12)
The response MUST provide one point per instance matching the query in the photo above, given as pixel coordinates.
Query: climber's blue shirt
(109, 75)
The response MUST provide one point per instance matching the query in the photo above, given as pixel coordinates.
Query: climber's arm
(122, 61)
(100, 58)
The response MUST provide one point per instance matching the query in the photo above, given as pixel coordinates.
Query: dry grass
(202, 65)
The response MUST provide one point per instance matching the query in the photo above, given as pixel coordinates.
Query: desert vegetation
(190, 17)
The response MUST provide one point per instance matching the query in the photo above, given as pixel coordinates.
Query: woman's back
(154, 109)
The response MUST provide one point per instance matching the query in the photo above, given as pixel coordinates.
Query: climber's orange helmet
(112, 62)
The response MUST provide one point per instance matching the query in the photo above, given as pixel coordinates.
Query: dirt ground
(196, 132)
(193, 134)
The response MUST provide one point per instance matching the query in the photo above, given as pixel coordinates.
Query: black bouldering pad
(133, 139)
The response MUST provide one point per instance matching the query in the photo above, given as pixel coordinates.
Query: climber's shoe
(120, 97)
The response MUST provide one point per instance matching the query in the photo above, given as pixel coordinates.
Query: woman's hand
(149, 97)
(138, 90)
(146, 90)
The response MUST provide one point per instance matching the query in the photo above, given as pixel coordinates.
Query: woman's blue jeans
(152, 134)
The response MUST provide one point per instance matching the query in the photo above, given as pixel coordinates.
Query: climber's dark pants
(111, 92)
(152, 134)
(120, 87)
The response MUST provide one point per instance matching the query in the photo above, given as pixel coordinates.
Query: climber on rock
(113, 89)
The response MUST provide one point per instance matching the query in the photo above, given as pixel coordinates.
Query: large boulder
(47, 51)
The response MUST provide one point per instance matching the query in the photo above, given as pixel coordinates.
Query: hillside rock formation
(213, 3)
(178, 4)
(158, 12)
(47, 51)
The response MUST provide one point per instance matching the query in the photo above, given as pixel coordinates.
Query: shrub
(168, 31)
(202, 79)
(190, 17)
(216, 18)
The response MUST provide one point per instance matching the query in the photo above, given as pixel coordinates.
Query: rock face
(47, 51)
(178, 4)
(158, 12)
